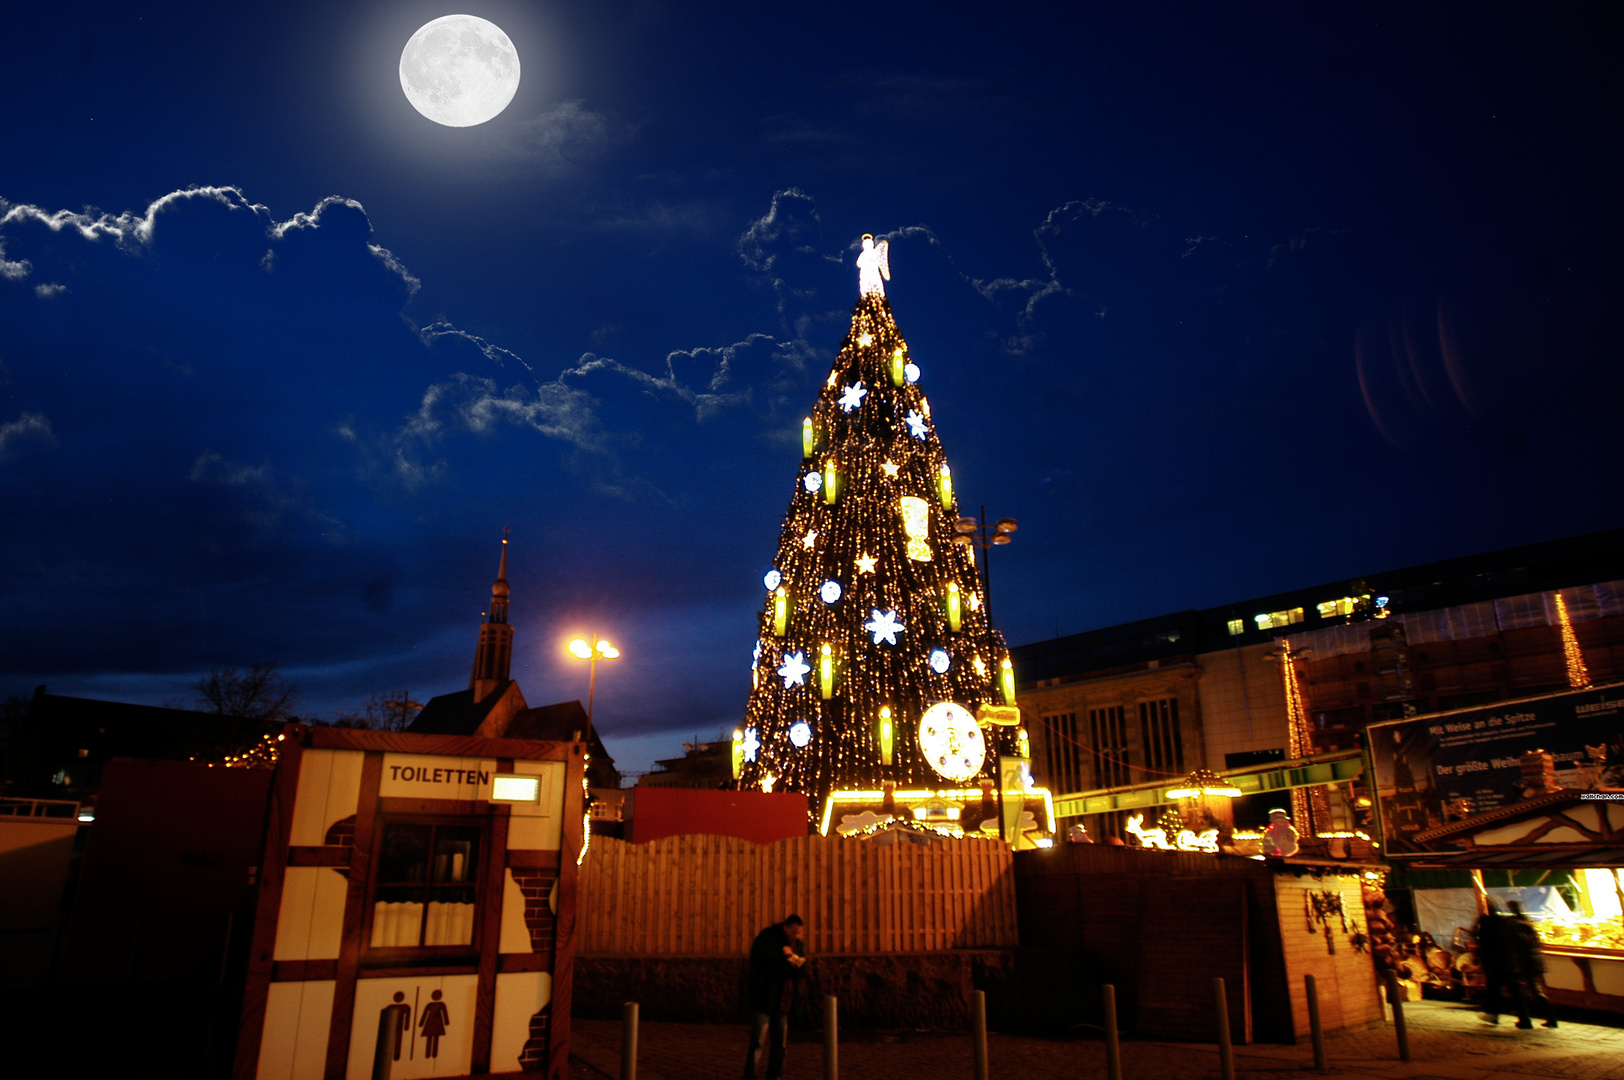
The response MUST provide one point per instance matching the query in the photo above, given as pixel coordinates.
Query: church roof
(456, 713)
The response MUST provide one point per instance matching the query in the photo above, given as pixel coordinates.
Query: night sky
(1217, 301)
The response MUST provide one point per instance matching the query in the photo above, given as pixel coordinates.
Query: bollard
(628, 1042)
(1226, 1053)
(831, 1038)
(1398, 1017)
(979, 1009)
(1113, 1052)
(1315, 1031)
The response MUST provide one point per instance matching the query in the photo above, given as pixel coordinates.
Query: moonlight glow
(459, 70)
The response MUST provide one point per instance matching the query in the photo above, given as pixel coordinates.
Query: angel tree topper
(873, 266)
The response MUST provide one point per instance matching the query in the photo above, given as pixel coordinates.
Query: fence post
(831, 1038)
(979, 1015)
(1113, 1052)
(1226, 1053)
(1315, 1031)
(1398, 1017)
(628, 1042)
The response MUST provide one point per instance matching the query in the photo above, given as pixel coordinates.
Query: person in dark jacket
(777, 960)
(1530, 962)
(1497, 952)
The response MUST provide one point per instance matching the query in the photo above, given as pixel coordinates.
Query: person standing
(1530, 963)
(777, 961)
(1497, 953)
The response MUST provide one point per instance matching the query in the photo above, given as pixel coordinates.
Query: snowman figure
(1280, 838)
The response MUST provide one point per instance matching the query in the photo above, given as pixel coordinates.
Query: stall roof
(1595, 858)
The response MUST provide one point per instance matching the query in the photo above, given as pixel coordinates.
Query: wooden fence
(710, 895)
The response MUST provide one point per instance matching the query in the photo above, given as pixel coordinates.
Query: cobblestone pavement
(1447, 1042)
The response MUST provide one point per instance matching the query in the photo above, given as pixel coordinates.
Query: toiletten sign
(425, 776)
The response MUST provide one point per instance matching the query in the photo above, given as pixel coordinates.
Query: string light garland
(906, 591)
(1578, 673)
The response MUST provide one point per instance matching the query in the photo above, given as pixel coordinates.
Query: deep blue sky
(1217, 301)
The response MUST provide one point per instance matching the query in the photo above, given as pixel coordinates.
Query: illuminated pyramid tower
(875, 659)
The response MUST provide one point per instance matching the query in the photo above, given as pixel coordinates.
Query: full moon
(459, 70)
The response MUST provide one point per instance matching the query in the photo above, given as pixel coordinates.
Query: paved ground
(1447, 1042)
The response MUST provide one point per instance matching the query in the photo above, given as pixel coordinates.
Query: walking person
(1497, 952)
(777, 961)
(1530, 962)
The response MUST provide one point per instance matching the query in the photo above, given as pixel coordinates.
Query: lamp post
(592, 653)
(970, 532)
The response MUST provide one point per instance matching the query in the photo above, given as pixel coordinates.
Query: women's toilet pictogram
(434, 1020)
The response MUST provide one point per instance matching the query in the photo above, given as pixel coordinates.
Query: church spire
(493, 659)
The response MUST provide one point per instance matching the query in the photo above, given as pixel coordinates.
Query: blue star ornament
(884, 625)
(853, 397)
(916, 425)
(794, 669)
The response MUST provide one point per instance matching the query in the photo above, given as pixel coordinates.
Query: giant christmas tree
(875, 659)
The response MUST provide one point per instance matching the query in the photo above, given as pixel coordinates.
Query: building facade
(1296, 674)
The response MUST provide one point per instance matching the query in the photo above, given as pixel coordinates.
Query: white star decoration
(794, 669)
(916, 425)
(884, 625)
(751, 744)
(853, 397)
(865, 340)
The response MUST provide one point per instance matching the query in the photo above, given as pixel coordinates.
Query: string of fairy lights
(871, 613)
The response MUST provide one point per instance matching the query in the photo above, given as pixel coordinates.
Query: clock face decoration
(951, 741)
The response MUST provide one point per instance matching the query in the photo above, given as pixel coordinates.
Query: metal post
(628, 1042)
(1113, 1052)
(1315, 1031)
(831, 1038)
(1226, 1053)
(986, 563)
(979, 1015)
(1398, 1017)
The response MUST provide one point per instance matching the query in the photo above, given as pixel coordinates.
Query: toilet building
(418, 889)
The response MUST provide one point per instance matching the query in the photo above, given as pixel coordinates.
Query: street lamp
(599, 649)
(970, 532)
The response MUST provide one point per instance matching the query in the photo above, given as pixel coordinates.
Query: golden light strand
(1578, 674)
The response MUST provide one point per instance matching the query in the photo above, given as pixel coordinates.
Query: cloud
(213, 468)
(48, 290)
(564, 137)
(790, 223)
(135, 233)
(9, 270)
(1295, 244)
(29, 427)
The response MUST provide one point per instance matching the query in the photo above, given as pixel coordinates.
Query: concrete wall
(1243, 702)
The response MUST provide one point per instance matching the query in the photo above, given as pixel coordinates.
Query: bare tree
(393, 710)
(260, 693)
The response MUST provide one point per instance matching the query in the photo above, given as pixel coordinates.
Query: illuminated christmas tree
(876, 665)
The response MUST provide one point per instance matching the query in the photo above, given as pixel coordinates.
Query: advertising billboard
(1432, 770)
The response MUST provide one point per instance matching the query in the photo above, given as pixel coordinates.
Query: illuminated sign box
(507, 787)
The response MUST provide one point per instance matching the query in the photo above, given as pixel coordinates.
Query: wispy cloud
(47, 290)
(29, 427)
(790, 222)
(563, 138)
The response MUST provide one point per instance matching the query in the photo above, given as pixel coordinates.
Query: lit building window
(1274, 620)
(1330, 609)
(1237, 626)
